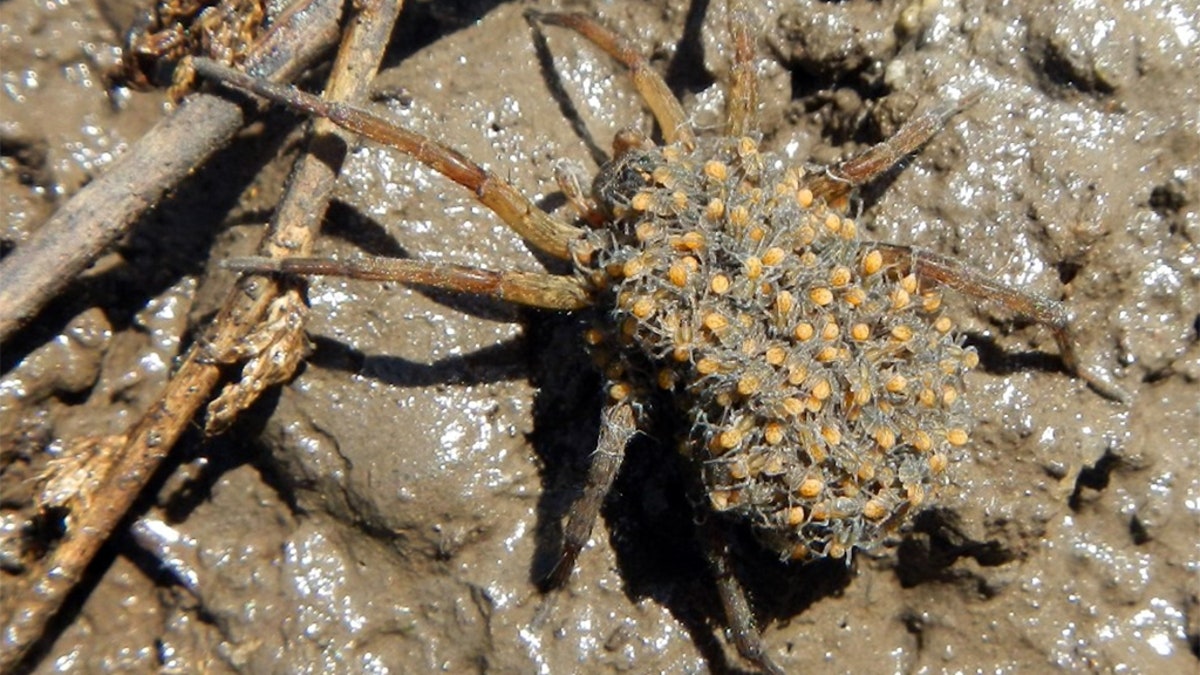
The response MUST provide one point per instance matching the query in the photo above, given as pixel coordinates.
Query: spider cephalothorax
(818, 381)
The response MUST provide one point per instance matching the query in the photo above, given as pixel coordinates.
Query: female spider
(816, 377)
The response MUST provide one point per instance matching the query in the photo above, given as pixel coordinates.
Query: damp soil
(390, 508)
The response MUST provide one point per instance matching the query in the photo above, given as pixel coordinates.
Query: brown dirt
(389, 508)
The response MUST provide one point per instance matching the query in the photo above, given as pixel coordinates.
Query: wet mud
(390, 509)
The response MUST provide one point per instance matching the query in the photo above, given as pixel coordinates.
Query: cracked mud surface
(388, 509)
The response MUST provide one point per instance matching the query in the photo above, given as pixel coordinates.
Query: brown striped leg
(526, 219)
(653, 89)
(534, 289)
(738, 615)
(930, 267)
(617, 426)
(742, 108)
(837, 182)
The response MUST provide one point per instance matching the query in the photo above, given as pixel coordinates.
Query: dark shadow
(365, 233)
(422, 23)
(866, 196)
(503, 362)
(42, 534)
(220, 454)
(558, 91)
(648, 518)
(553, 204)
(1095, 477)
(652, 527)
(686, 73)
(566, 424)
(994, 359)
(817, 87)
(936, 542)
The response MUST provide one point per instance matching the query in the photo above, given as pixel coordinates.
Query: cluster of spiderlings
(821, 384)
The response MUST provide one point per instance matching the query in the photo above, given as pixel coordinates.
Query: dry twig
(104, 210)
(151, 438)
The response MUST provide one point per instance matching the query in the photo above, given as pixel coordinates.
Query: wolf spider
(815, 371)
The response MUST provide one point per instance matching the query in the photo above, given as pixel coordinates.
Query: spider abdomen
(821, 385)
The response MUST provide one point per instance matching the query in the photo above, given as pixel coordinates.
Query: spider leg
(617, 426)
(571, 178)
(534, 289)
(743, 87)
(837, 183)
(538, 228)
(948, 272)
(653, 89)
(738, 615)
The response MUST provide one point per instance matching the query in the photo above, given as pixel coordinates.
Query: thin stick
(152, 437)
(99, 214)
(294, 227)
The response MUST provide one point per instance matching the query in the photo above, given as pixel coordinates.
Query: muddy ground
(388, 510)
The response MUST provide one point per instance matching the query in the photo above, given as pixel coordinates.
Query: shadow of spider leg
(667, 109)
(929, 267)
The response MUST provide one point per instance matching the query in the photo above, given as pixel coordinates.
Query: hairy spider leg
(617, 426)
(571, 178)
(742, 107)
(838, 182)
(520, 214)
(746, 636)
(941, 270)
(533, 289)
(667, 109)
